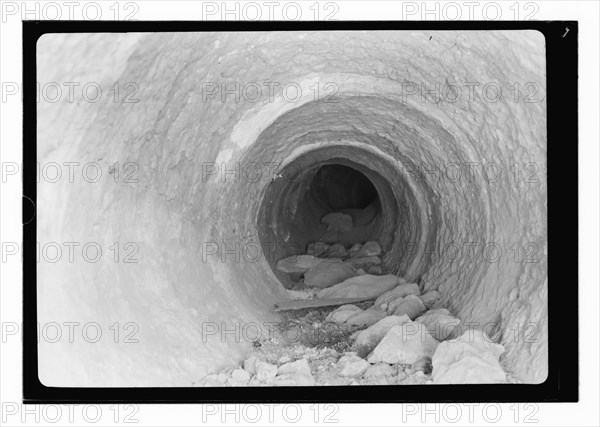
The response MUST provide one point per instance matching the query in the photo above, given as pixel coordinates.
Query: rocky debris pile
(365, 286)
(337, 223)
(396, 336)
(471, 359)
(328, 262)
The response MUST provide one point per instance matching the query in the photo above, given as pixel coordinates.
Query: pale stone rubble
(403, 337)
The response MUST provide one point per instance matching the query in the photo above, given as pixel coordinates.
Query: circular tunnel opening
(338, 179)
(342, 187)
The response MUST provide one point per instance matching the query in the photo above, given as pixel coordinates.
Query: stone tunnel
(201, 158)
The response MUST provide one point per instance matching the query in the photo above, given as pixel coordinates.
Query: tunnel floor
(349, 320)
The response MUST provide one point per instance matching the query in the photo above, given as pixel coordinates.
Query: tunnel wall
(177, 209)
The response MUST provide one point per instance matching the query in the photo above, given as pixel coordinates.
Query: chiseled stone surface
(176, 208)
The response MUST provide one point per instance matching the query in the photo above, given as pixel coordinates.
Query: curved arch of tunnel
(349, 180)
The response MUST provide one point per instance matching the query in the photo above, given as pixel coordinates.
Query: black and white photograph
(303, 208)
(307, 210)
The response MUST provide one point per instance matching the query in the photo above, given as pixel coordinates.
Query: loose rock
(404, 344)
(351, 365)
(376, 269)
(369, 249)
(365, 286)
(240, 376)
(411, 305)
(250, 364)
(294, 374)
(369, 338)
(400, 291)
(317, 248)
(354, 249)
(297, 264)
(338, 220)
(284, 359)
(470, 359)
(423, 365)
(265, 371)
(430, 298)
(343, 313)
(328, 273)
(440, 324)
(365, 318)
(364, 262)
(223, 377)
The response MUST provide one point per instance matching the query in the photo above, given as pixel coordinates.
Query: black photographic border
(562, 155)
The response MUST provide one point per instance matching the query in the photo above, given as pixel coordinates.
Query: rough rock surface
(317, 249)
(350, 365)
(250, 364)
(328, 273)
(297, 264)
(240, 377)
(404, 344)
(470, 359)
(336, 250)
(411, 305)
(296, 373)
(400, 291)
(343, 313)
(329, 359)
(366, 285)
(440, 324)
(423, 364)
(380, 370)
(365, 318)
(368, 339)
(364, 262)
(375, 269)
(337, 223)
(430, 298)
(369, 249)
(265, 371)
